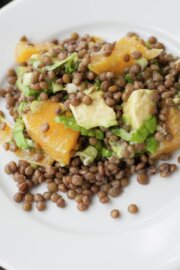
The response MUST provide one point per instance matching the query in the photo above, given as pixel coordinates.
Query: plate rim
(20, 216)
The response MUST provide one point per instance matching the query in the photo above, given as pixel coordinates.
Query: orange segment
(29, 156)
(115, 62)
(173, 121)
(59, 141)
(6, 133)
(24, 50)
(6, 136)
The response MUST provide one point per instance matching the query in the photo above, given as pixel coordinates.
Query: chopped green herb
(128, 78)
(97, 84)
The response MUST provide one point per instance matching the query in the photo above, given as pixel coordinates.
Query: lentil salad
(88, 114)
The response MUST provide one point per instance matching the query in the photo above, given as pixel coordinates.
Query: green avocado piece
(57, 87)
(139, 107)
(97, 114)
(23, 82)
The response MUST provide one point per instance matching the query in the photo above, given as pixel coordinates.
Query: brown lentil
(18, 197)
(45, 127)
(87, 100)
(71, 194)
(104, 199)
(132, 208)
(115, 213)
(27, 206)
(52, 187)
(29, 197)
(38, 197)
(41, 206)
(46, 195)
(152, 40)
(29, 171)
(126, 58)
(82, 207)
(142, 178)
(173, 167)
(77, 179)
(38, 157)
(66, 78)
(124, 182)
(135, 68)
(43, 96)
(23, 187)
(75, 101)
(61, 203)
(136, 54)
(55, 197)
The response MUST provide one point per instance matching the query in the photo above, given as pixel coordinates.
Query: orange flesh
(59, 141)
(173, 120)
(24, 51)
(6, 136)
(115, 62)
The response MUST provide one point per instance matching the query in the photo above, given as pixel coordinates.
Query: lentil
(52, 187)
(82, 207)
(18, 197)
(115, 213)
(55, 197)
(27, 206)
(61, 203)
(126, 58)
(41, 206)
(136, 54)
(77, 179)
(87, 100)
(142, 178)
(132, 208)
(29, 197)
(38, 197)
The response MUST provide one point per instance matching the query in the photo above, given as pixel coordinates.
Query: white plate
(66, 239)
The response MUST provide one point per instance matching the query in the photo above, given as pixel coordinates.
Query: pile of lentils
(107, 177)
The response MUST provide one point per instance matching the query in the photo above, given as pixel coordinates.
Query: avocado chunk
(97, 114)
(24, 80)
(139, 107)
